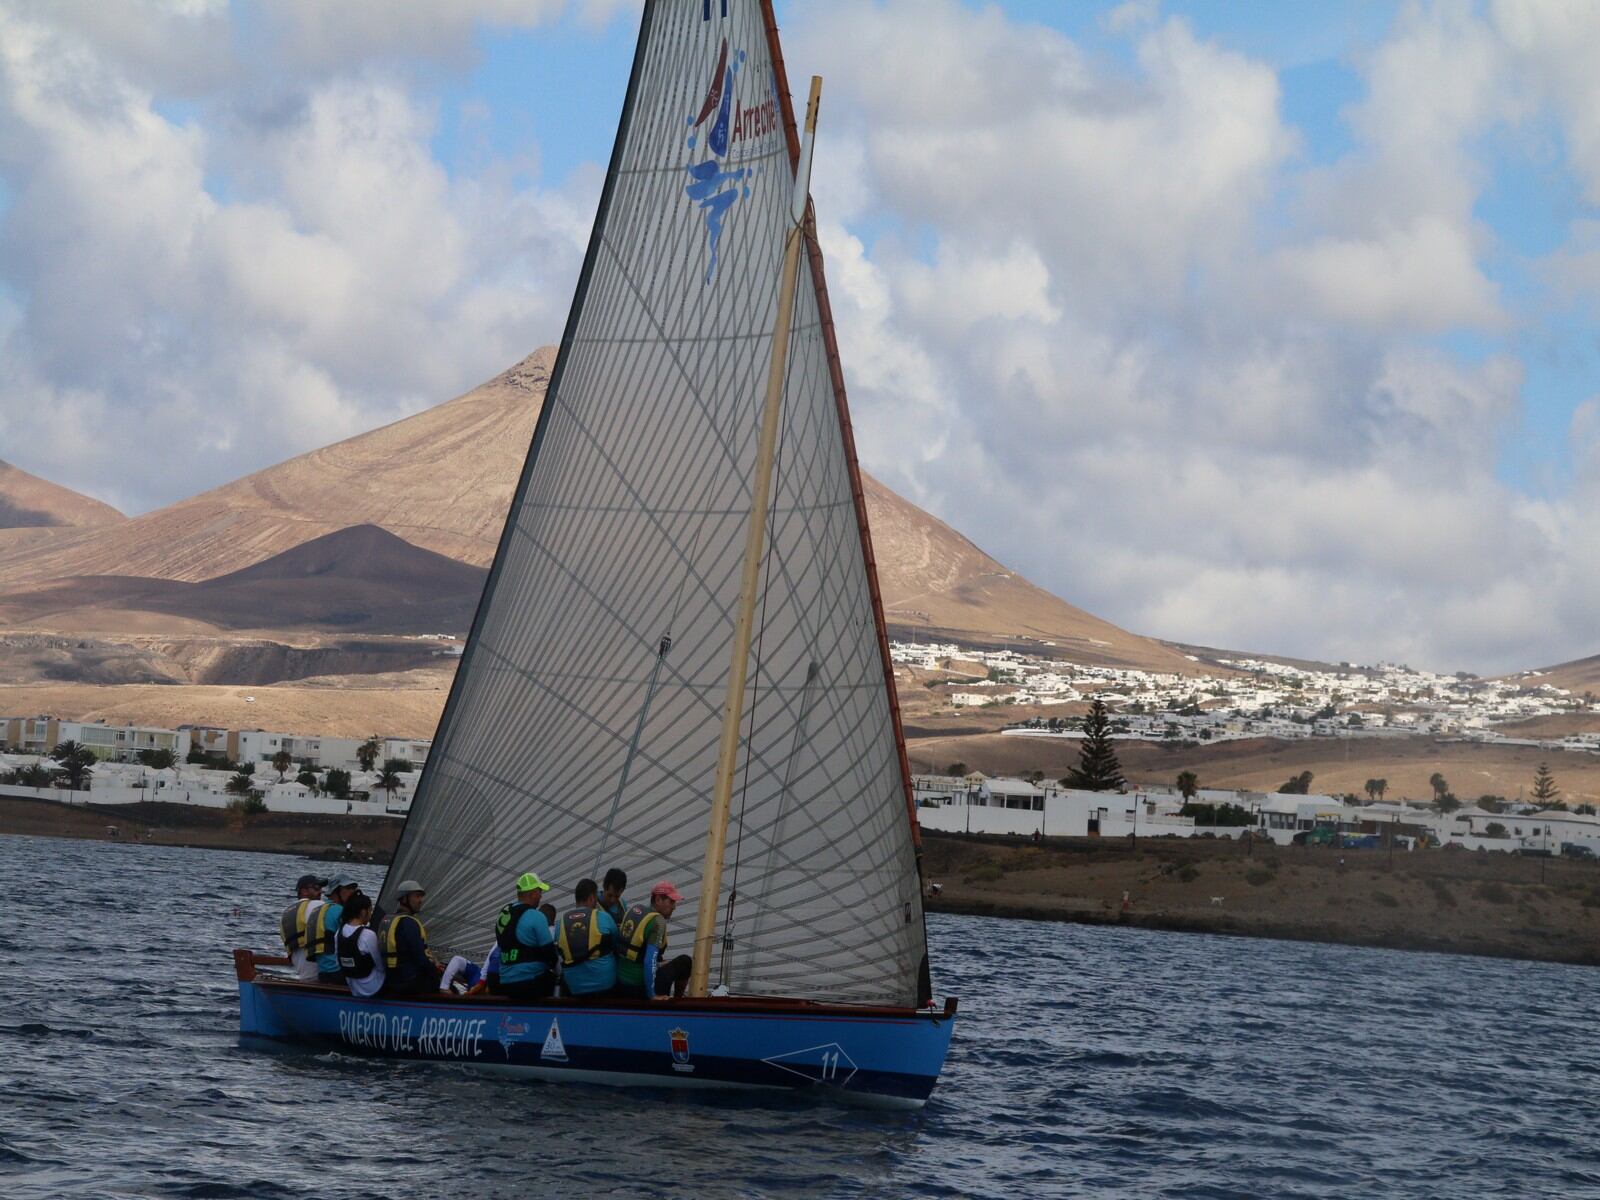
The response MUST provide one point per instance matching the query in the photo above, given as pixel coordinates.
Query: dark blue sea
(1088, 1062)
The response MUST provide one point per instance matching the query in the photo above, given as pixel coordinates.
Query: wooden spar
(755, 540)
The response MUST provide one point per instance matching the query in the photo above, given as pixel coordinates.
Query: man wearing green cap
(527, 947)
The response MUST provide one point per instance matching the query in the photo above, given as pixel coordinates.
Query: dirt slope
(28, 502)
(362, 579)
(935, 580)
(442, 480)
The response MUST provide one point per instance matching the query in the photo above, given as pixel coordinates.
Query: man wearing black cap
(325, 929)
(292, 925)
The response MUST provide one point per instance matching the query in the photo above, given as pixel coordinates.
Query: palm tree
(367, 753)
(1439, 785)
(1382, 785)
(389, 781)
(240, 785)
(36, 775)
(1188, 784)
(281, 762)
(77, 763)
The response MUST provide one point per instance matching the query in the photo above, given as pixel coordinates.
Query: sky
(1258, 325)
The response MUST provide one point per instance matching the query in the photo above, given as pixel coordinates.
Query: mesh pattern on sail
(631, 528)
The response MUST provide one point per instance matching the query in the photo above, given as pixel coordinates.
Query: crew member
(409, 969)
(642, 938)
(321, 933)
(360, 956)
(586, 938)
(611, 897)
(292, 925)
(527, 946)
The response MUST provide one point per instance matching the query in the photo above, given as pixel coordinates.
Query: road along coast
(1450, 901)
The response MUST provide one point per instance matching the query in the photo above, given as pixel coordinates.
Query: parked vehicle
(1576, 850)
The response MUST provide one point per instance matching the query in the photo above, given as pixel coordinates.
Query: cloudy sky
(1259, 325)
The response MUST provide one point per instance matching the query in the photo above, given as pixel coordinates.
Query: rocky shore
(1448, 901)
(370, 839)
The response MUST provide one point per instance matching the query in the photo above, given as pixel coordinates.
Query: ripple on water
(1098, 1062)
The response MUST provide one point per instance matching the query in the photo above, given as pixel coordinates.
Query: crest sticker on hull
(679, 1040)
(554, 1048)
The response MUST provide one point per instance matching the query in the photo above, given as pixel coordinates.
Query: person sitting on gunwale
(322, 932)
(292, 925)
(611, 894)
(527, 946)
(586, 937)
(642, 939)
(360, 956)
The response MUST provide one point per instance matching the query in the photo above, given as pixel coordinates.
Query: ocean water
(1087, 1062)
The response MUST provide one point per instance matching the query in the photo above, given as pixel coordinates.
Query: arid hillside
(360, 579)
(28, 502)
(442, 480)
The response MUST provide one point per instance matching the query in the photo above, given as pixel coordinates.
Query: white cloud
(1170, 370)
(336, 277)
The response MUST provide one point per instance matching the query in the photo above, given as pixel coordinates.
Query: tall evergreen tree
(1544, 785)
(1098, 769)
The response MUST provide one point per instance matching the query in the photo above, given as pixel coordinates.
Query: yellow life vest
(635, 931)
(580, 937)
(292, 925)
(319, 938)
(389, 936)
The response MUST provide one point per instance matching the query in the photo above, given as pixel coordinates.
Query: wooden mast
(755, 540)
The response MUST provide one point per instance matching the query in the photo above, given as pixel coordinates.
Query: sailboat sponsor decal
(679, 1040)
(510, 1032)
(721, 122)
(821, 1064)
(554, 1048)
(438, 1037)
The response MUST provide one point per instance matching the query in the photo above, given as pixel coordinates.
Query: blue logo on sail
(713, 188)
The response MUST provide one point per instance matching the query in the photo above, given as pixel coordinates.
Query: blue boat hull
(888, 1057)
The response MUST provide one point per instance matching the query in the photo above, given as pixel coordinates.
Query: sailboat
(679, 666)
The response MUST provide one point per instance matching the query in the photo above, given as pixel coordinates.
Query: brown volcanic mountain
(358, 580)
(442, 480)
(28, 502)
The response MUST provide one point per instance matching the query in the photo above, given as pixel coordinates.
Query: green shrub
(1494, 892)
(1258, 876)
(1385, 899)
(987, 873)
(1188, 873)
(248, 805)
(1442, 895)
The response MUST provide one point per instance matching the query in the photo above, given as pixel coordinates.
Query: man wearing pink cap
(642, 943)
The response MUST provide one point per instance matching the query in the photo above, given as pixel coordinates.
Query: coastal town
(1246, 698)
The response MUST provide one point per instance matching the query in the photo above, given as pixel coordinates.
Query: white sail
(582, 730)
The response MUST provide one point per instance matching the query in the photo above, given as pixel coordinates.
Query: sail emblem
(711, 186)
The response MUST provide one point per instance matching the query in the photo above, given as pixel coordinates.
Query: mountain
(935, 582)
(28, 502)
(442, 480)
(358, 580)
(1579, 676)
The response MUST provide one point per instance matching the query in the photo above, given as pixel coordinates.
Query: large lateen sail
(582, 731)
